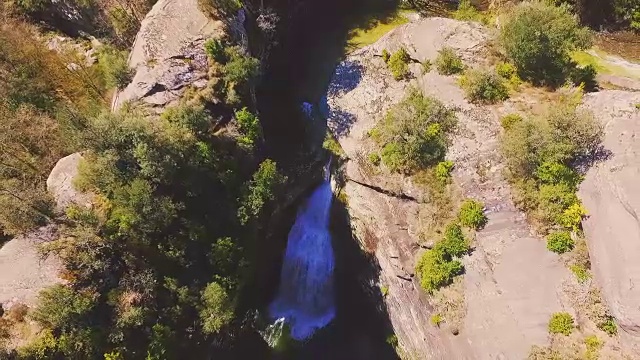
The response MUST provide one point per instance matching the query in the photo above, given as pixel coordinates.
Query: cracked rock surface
(168, 54)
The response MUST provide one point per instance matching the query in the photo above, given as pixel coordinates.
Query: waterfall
(306, 295)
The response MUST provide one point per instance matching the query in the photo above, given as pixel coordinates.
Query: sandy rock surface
(611, 194)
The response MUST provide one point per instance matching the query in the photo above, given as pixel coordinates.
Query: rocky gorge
(500, 307)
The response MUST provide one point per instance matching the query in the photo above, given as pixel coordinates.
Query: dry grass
(449, 302)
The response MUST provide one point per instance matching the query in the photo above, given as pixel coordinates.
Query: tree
(538, 38)
(413, 134)
(61, 307)
(260, 190)
(217, 308)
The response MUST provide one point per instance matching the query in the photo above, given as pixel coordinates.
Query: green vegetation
(472, 215)
(443, 171)
(220, 9)
(538, 152)
(538, 39)
(375, 29)
(249, 128)
(436, 319)
(510, 120)
(561, 323)
(467, 12)
(426, 66)
(374, 159)
(384, 290)
(593, 345)
(413, 134)
(581, 272)
(560, 242)
(386, 55)
(448, 62)
(114, 66)
(392, 340)
(399, 64)
(217, 308)
(609, 326)
(438, 267)
(483, 86)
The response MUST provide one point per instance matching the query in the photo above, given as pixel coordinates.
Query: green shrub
(435, 270)
(609, 326)
(240, 69)
(483, 86)
(385, 55)
(538, 37)
(374, 159)
(467, 12)
(554, 173)
(448, 62)
(384, 290)
(637, 106)
(115, 67)
(585, 77)
(220, 9)
(506, 70)
(436, 319)
(443, 171)
(454, 243)
(399, 64)
(215, 49)
(553, 200)
(333, 146)
(572, 217)
(471, 214)
(392, 340)
(560, 242)
(593, 345)
(260, 190)
(561, 323)
(61, 307)
(217, 308)
(249, 128)
(413, 134)
(581, 272)
(508, 121)
(426, 66)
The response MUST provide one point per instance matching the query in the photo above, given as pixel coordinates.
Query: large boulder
(168, 54)
(23, 271)
(60, 183)
(611, 193)
(512, 284)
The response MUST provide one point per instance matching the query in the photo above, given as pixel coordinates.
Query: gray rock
(611, 194)
(168, 53)
(512, 283)
(60, 183)
(23, 272)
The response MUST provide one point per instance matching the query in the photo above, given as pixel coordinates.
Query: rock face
(23, 273)
(168, 54)
(512, 283)
(60, 183)
(611, 193)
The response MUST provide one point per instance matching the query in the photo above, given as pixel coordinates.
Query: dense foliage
(539, 153)
(538, 38)
(413, 134)
(156, 266)
(560, 242)
(472, 214)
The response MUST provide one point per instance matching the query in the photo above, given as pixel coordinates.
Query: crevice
(401, 196)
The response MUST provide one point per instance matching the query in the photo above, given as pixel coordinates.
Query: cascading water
(305, 299)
